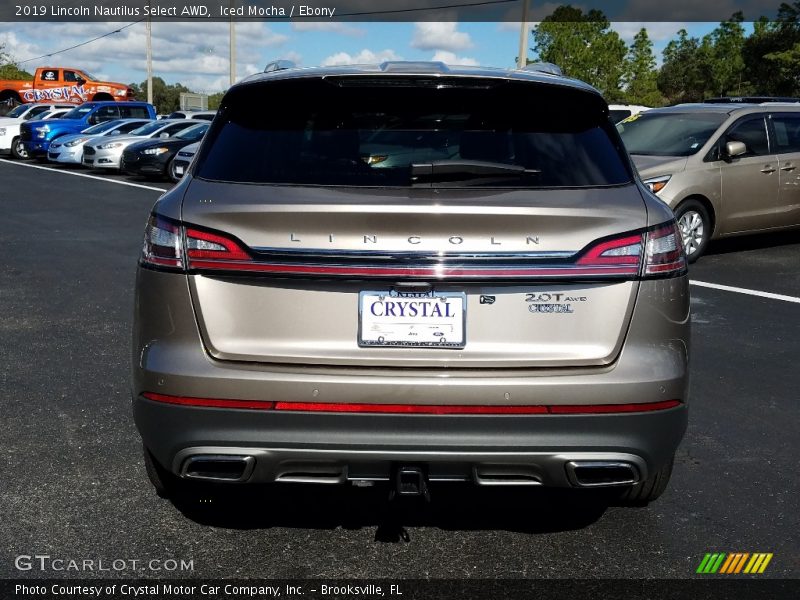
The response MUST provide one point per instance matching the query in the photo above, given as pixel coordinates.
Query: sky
(197, 54)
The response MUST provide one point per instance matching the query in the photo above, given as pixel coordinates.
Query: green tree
(641, 77)
(770, 54)
(725, 46)
(214, 100)
(12, 71)
(166, 98)
(685, 74)
(9, 69)
(584, 46)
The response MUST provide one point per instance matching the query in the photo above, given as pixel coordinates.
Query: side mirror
(734, 149)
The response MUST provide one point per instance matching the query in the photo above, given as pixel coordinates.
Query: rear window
(392, 132)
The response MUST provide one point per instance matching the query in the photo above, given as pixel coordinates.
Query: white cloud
(450, 58)
(656, 31)
(440, 36)
(192, 53)
(364, 57)
(329, 26)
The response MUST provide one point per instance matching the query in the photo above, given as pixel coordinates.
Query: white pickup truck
(9, 125)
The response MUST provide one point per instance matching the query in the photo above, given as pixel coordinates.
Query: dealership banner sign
(366, 10)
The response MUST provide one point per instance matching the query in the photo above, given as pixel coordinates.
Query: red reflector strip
(438, 272)
(427, 409)
(210, 402)
(571, 409)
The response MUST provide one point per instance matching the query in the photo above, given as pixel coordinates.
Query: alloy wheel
(692, 230)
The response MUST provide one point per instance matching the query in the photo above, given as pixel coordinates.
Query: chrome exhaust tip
(218, 467)
(599, 473)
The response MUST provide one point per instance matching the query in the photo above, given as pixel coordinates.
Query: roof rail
(751, 99)
(544, 67)
(279, 65)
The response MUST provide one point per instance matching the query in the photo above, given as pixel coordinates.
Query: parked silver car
(725, 168)
(106, 153)
(516, 313)
(68, 149)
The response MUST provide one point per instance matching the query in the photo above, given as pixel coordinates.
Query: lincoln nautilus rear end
(411, 273)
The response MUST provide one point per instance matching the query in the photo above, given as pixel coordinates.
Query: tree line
(725, 62)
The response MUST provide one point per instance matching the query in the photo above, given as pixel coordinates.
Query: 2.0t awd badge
(552, 302)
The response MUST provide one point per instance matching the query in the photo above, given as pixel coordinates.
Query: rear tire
(170, 486)
(18, 149)
(163, 481)
(694, 224)
(649, 489)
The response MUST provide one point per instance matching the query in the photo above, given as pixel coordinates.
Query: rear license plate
(419, 319)
(178, 170)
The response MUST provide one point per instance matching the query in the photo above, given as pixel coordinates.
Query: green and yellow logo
(734, 563)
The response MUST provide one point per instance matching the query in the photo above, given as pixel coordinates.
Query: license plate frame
(452, 324)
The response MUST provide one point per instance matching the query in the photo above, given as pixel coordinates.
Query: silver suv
(410, 273)
(725, 169)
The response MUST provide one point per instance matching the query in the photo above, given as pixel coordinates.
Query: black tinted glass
(669, 133)
(787, 133)
(753, 134)
(369, 133)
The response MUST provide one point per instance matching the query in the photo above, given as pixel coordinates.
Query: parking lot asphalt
(74, 487)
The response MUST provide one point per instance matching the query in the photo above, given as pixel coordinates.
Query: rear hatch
(390, 222)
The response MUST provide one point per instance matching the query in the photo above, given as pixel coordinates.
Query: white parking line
(738, 290)
(137, 185)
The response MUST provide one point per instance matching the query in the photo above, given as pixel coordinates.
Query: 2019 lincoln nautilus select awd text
(412, 273)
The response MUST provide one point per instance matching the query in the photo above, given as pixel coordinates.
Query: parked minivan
(726, 169)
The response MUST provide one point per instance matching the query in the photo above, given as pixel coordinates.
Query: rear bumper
(334, 448)
(169, 358)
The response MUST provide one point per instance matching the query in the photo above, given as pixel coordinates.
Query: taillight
(210, 250)
(664, 252)
(162, 244)
(626, 250)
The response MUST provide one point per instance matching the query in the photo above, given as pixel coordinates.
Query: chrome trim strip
(410, 254)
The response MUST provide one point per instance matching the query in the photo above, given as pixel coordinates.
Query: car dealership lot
(75, 488)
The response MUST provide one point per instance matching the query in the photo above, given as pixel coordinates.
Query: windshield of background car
(101, 127)
(78, 113)
(669, 133)
(369, 131)
(16, 112)
(149, 128)
(192, 133)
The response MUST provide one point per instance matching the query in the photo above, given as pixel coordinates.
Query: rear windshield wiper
(460, 170)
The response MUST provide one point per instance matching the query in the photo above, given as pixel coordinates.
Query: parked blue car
(37, 135)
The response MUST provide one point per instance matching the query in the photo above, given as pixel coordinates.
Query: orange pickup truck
(58, 84)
